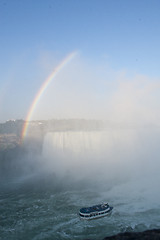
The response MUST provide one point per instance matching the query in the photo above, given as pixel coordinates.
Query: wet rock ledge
(146, 235)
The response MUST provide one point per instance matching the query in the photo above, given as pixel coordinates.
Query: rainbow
(42, 89)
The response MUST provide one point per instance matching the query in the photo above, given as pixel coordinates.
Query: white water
(133, 152)
(122, 164)
(119, 166)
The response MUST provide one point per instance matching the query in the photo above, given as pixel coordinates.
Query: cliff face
(146, 235)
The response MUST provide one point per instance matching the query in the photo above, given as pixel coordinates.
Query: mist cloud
(84, 89)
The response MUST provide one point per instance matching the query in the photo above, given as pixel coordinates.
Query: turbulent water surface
(42, 205)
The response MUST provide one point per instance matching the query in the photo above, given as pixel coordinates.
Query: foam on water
(54, 214)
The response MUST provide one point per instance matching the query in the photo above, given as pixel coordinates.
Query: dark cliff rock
(146, 235)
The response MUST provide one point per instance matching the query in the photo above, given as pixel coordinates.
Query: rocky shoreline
(153, 234)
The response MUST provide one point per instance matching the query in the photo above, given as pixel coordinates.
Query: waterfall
(87, 151)
(108, 152)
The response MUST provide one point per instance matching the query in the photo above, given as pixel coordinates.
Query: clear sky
(117, 61)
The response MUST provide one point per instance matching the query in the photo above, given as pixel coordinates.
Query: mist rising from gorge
(95, 90)
(103, 154)
(118, 162)
(126, 148)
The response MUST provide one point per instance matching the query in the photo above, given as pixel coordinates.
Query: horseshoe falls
(87, 153)
(75, 169)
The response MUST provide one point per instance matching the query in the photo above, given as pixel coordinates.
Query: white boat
(95, 211)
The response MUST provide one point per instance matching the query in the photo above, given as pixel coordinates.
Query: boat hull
(95, 214)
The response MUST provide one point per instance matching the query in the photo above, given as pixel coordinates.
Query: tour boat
(95, 211)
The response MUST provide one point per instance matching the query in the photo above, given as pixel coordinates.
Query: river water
(45, 205)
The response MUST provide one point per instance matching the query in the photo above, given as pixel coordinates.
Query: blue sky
(113, 38)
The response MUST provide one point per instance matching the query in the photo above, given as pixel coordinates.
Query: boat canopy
(95, 208)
